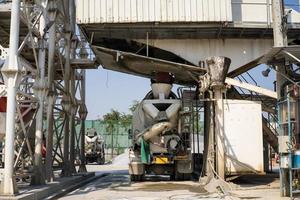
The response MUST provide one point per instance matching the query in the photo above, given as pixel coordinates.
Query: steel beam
(252, 88)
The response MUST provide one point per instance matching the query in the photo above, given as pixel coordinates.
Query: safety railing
(271, 121)
(241, 12)
(82, 51)
(269, 118)
(247, 12)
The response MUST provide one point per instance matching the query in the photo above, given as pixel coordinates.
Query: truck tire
(136, 178)
(176, 176)
(100, 160)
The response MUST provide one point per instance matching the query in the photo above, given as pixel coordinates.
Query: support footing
(82, 168)
(8, 187)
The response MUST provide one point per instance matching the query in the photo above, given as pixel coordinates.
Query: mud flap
(145, 152)
(136, 168)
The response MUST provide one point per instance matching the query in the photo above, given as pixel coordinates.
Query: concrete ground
(118, 186)
(59, 186)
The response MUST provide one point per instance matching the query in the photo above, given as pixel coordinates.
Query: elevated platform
(158, 30)
(176, 19)
(188, 31)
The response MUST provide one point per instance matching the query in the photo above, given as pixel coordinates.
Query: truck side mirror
(130, 134)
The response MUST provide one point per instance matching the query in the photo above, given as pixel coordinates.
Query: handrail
(240, 77)
(270, 126)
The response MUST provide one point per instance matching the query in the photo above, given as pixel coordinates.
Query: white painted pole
(11, 73)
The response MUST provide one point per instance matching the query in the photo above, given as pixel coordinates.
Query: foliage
(113, 115)
(121, 117)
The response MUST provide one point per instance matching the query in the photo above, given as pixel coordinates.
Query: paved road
(117, 186)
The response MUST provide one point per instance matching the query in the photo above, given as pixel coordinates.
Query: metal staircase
(270, 132)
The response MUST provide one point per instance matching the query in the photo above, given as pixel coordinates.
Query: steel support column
(82, 114)
(72, 18)
(66, 103)
(51, 98)
(280, 40)
(72, 121)
(209, 140)
(11, 74)
(40, 92)
(219, 133)
(213, 82)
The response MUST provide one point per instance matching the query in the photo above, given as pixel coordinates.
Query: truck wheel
(100, 161)
(172, 177)
(180, 176)
(136, 178)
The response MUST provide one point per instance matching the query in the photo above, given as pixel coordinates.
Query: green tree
(113, 115)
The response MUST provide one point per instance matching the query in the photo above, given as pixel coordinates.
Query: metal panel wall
(258, 11)
(243, 136)
(132, 11)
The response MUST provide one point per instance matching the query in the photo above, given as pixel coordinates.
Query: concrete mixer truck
(160, 146)
(94, 147)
